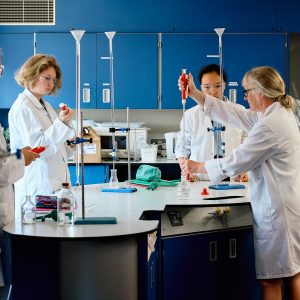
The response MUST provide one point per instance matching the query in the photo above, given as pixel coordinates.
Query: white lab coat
(271, 154)
(11, 170)
(198, 143)
(30, 124)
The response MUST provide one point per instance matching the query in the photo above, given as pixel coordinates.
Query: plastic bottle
(65, 206)
(28, 211)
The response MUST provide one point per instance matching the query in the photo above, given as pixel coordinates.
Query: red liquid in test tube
(63, 106)
(39, 149)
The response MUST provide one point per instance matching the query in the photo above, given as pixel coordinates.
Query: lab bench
(195, 251)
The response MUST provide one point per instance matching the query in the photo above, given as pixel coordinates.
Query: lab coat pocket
(262, 210)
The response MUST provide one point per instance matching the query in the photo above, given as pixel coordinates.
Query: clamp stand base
(96, 220)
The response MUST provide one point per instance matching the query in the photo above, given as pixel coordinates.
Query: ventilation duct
(27, 12)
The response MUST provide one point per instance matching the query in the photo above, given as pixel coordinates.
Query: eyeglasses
(245, 92)
(208, 87)
(49, 79)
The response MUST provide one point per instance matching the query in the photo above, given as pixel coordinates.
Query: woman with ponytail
(271, 155)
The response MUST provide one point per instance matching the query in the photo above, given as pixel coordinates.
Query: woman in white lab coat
(197, 144)
(11, 170)
(33, 121)
(271, 154)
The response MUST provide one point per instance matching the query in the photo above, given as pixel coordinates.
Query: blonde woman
(271, 154)
(33, 121)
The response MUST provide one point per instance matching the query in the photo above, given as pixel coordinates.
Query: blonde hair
(269, 82)
(32, 69)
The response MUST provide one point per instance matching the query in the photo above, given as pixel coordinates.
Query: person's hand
(193, 92)
(29, 156)
(241, 178)
(72, 145)
(191, 166)
(191, 85)
(181, 161)
(190, 176)
(65, 115)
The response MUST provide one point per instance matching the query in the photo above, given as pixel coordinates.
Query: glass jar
(184, 189)
(65, 206)
(28, 211)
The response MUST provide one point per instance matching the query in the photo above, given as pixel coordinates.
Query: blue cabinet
(63, 47)
(214, 265)
(17, 48)
(191, 266)
(93, 173)
(135, 70)
(241, 52)
(183, 51)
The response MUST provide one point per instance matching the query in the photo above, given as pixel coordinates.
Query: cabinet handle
(213, 252)
(232, 248)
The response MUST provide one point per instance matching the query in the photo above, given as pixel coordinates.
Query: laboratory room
(147, 153)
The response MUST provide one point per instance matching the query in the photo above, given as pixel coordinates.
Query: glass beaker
(113, 181)
(184, 189)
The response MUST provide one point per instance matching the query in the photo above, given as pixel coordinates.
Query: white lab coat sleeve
(33, 134)
(11, 170)
(229, 113)
(183, 143)
(260, 145)
(70, 151)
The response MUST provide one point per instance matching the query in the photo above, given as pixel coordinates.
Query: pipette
(184, 94)
(184, 91)
(183, 189)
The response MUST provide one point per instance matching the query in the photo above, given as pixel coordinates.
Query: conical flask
(113, 181)
(184, 189)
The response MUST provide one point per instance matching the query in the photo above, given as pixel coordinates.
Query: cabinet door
(63, 47)
(152, 272)
(241, 52)
(191, 267)
(135, 70)
(184, 51)
(238, 267)
(16, 48)
(93, 173)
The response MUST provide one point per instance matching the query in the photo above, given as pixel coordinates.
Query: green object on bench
(151, 177)
(148, 173)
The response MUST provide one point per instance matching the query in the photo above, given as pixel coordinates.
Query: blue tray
(226, 186)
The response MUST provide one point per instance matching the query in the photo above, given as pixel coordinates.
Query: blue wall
(171, 16)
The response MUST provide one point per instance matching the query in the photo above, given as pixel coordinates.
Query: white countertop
(127, 208)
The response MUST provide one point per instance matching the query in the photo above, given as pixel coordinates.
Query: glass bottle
(113, 181)
(184, 189)
(28, 211)
(65, 206)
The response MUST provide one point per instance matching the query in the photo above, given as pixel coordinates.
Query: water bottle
(28, 211)
(65, 206)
